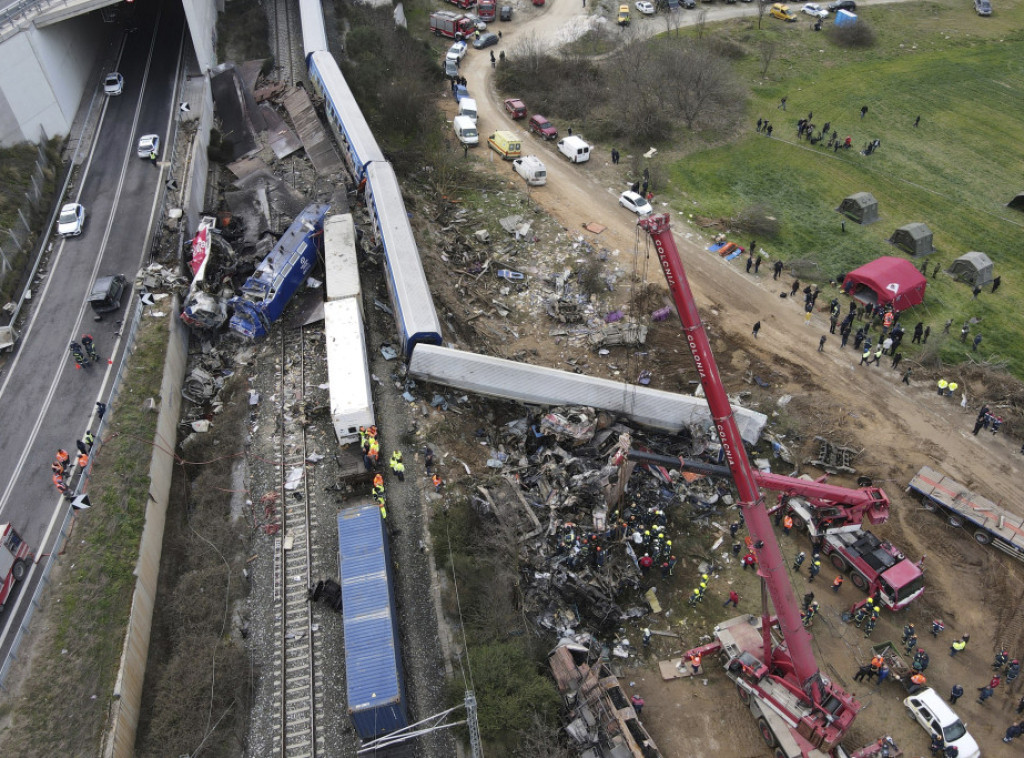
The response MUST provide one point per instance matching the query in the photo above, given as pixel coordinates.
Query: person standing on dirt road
(776, 270)
(757, 328)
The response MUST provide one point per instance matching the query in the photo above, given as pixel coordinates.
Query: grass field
(963, 75)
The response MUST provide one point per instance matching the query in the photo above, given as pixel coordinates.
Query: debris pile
(834, 458)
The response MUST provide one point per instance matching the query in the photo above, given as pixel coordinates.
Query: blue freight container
(373, 657)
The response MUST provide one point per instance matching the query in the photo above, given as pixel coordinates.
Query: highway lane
(45, 402)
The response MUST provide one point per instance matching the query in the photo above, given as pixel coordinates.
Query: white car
(457, 51)
(642, 6)
(929, 710)
(148, 144)
(113, 84)
(635, 202)
(71, 220)
(813, 9)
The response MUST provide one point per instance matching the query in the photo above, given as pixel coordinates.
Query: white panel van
(575, 149)
(465, 130)
(467, 107)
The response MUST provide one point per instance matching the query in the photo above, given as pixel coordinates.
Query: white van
(575, 149)
(465, 130)
(531, 169)
(467, 107)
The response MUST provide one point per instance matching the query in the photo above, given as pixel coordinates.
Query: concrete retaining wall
(120, 738)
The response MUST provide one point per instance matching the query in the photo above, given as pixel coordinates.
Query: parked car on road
(929, 710)
(113, 84)
(813, 9)
(983, 7)
(71, 220)
(506, 13)
(515, 108)
(107, 293)
(782, 12)
(843, 5)
(645, 7)
(485, 40)
(542, 127)
(635, 202)
(457, 51)
(148, 144)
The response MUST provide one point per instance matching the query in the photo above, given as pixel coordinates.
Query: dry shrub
(859, 35)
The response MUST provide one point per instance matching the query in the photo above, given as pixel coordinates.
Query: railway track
(285, 30)
(298, 679)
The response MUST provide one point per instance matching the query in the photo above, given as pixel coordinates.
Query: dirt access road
(974, 589)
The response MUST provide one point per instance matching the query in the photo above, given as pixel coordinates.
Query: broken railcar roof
(539, 385)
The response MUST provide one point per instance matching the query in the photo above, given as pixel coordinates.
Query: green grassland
(963, 75)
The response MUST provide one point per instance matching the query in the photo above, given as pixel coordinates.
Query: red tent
(887, 280)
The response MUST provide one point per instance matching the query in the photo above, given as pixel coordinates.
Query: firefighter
(1001, 658)
(78, 355)
(937, 626)
(869, 626)
(908, 631)
(671, 564)
(860, 616)
(397, 467)
(694, 597)
(1012, 670)
(799, 560)
(90, 349)
(814, 570)
(812, 611)
(921, 660)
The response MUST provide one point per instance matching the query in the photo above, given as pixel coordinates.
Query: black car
(107, 293)
(689, 4)
(842, 5)
(506, 13)
(485, 40)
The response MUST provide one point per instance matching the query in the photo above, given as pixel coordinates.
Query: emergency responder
(1001, 658)
(90, 350)
(1012, 670)
(911, 642)
(82, 461)
(921, 660)
(437, 482)
(695, 663)
(89, 439)
(908, 631)
(869, 625)
(397, 466)
(799, 560)
(937, 626)
(814, 570)
(787, 524)
(837, 583)
(57, 469)
(812, 611)
(957, 647)
(362, 437)
(63, 458)
(917, 682)
(860, 616)
(77, 354)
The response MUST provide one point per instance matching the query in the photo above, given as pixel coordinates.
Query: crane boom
(854, 504)
(832, 708)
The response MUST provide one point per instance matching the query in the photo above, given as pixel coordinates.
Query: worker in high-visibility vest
(942, 386)
(787, 524)
(837, 583)
(82, 460)
(397, 467)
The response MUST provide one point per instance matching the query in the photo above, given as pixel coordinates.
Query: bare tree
(671, 22)
(701, 24)
(767, 49)
(703, 88)
(762, 9)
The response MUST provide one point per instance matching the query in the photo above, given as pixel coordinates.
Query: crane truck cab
(15, 557)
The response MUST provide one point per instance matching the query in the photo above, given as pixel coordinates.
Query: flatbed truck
(989, 523)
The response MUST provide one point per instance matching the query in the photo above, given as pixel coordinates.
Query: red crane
(823, 711)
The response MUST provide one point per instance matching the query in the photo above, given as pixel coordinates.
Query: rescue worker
(694, 597)
(957, 647)
(397, 466)
(695, 663)
(799, 560)
(860, 616)
(63, 458)
(814, 570)
(908, 632)
(437, 482)
(374, 452)
(87, 343)
(645, 563)
(1001, 658)
(956, 693)
(917, 682)
(937, 626)
(869, 627)
(911, 642)
(77, 354)
(57, 469)
(362, 437)
(89, 439)
(372, 431)
(671, 564)
(876, 664)
(1013, 670)
(82, 461)
(787, 524)
(812, 611)
(837, 583)
(921, 660)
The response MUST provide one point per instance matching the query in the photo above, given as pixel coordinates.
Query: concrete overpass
(54, 53)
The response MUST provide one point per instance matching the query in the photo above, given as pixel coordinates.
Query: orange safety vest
(62, 456)
(378, 481)
(888, 319)
(788, 522)
(877, 661)
(837, 582)
(436, 480)
(695, 660)
(918, 679)
(83, 460)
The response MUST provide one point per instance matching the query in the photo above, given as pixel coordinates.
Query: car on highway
(635, 202)
(457, 51)
(71, 220)
(113, 84)
(645, 7)
(542, 127)
(813, 9)
(515, 108)
(148, 144)
(929, 710)
(782, 12)
(623, 18)
(843, 5)
(485, 40)
(107, 294)
(983, 7)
